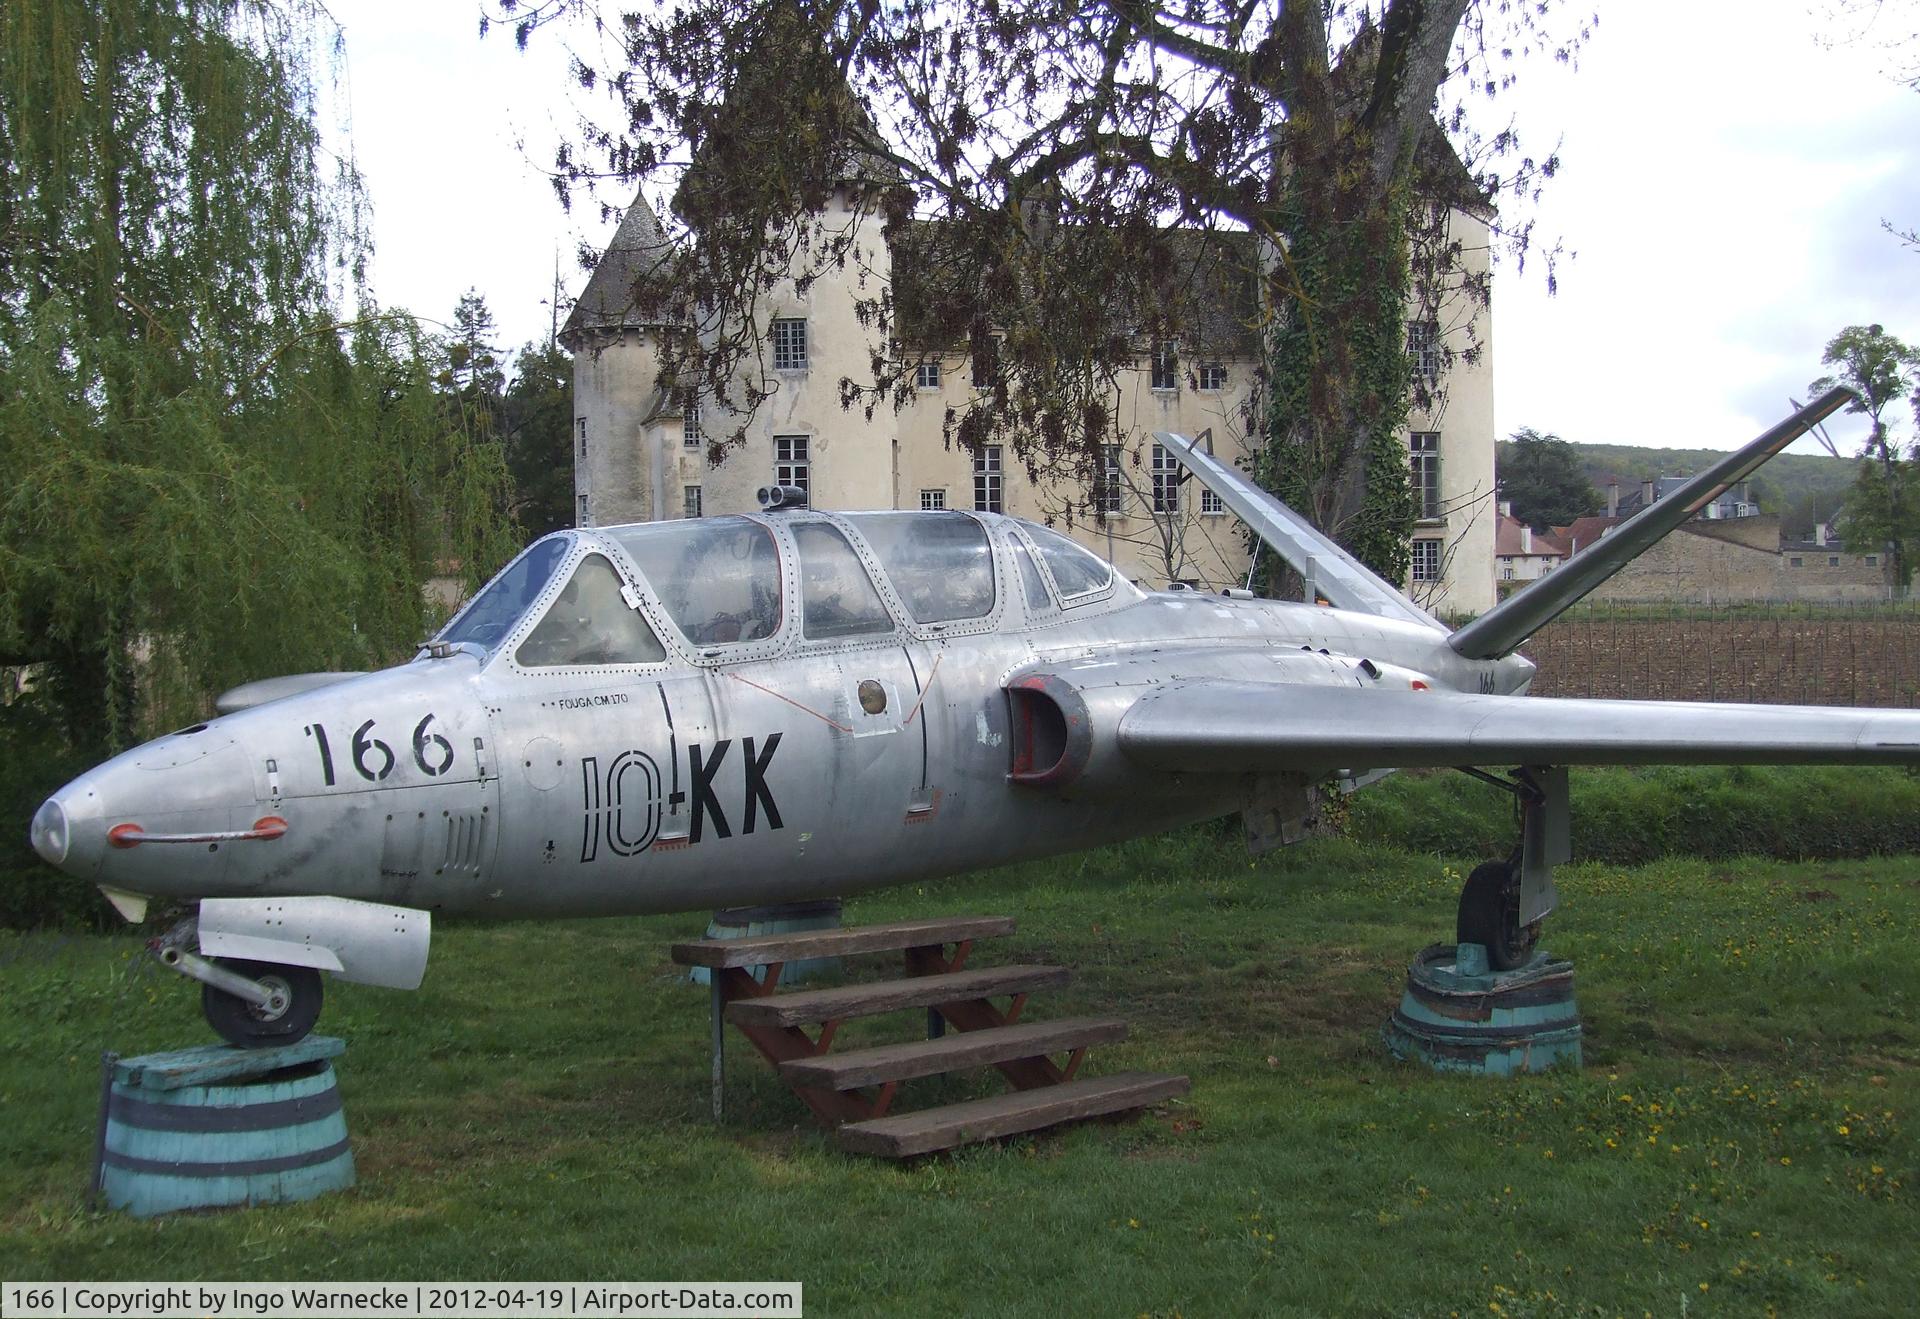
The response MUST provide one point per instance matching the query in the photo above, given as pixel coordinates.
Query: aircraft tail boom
(1331, 571)
(1502, 628)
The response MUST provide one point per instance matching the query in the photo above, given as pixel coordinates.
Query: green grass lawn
(1739, 1138)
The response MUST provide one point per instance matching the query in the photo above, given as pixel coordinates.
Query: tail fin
(1331, 571)
(1498, 631)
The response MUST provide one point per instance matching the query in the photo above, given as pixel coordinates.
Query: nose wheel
(251, 1004)
(294, 995)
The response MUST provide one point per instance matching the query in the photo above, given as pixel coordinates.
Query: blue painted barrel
(778, 918)
(219, 1126)
(1458, 1016)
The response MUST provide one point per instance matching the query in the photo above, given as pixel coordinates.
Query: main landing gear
(253, 1005)
(1490, 914)
(1504, 903)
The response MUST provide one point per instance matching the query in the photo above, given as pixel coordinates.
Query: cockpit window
(1076, 571)
(837, 598)
(492, 614)
(719, 578)
(1038, 601)
(940, 564)
(590, 622)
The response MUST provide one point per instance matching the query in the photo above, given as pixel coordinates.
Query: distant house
(1625, 501)
(1824, 561)
(1582, 532)
(1735, 560)
(1521, 554)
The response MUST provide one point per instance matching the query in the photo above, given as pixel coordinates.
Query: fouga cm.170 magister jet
(751, 709)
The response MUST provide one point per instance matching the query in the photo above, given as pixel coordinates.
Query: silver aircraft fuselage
(724, 772)
(715, 712)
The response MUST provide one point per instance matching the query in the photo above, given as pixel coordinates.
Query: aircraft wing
(1212, 726)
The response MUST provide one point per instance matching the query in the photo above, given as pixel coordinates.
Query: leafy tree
(537, 430)
(1064, 187)
(209, 478)
(1883, 509)
(1545, 480)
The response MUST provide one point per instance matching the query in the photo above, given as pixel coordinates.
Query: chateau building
(642, 453)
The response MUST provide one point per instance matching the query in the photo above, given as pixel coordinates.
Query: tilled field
(1868, 659)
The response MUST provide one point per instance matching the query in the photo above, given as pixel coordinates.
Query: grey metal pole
(718, 998)
(107, 1061)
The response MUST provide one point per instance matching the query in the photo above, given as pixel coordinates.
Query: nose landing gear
(294, 993)
(250, 1004)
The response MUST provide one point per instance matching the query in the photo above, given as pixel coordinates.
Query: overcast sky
(1723, 183)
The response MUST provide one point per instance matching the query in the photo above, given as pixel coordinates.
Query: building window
(1210, 503)
(1109, 495)
(691, 494)
(581, 517)
(1166, 366)
(1873, 561)
(926, 376)
(931, 501)
(1506, 570)
(580, 427)
(1213, 376)
(987, 364)
(1426, 560)
(1425, 451)
(986, 480)
(790, 343)
(1833, 561)
(690, 420)
(790, 463)
(1423, 349)
(1166, 480)
(1796, 562)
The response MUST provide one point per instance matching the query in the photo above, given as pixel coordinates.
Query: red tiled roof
(1582, 532)
(1507, 538)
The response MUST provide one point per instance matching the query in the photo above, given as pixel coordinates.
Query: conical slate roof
(787, 100)
(623, 291)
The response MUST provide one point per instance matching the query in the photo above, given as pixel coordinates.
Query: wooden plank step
(1005, 1115)
(888, 995)
(759, 950)
(950, 1053)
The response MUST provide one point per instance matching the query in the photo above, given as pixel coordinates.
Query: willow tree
(209, 477)
(1066, 182)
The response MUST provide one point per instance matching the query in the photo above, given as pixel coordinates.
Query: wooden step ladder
(853, 1091)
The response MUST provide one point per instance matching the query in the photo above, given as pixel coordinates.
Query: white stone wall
(637, 467)
(850, 458)
(620, 474)
(1465, 423)
(1209, 548)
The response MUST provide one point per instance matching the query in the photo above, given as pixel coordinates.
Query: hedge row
(1633, 816)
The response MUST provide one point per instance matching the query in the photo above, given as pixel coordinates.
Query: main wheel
(239, 1022)
(1490, 915)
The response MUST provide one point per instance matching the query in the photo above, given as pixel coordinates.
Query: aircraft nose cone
(49, 832)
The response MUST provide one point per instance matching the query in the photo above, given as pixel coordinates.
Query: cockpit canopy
(602, 596)
(719, 578)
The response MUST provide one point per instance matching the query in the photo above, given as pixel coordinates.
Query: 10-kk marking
(623, 806)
